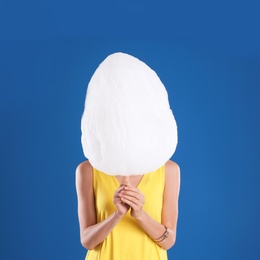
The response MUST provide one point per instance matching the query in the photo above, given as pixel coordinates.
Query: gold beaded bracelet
(164, 236)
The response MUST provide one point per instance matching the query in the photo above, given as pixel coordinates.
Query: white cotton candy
(127, 126)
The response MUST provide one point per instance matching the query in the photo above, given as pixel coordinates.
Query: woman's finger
(133, 194)
(133, 201)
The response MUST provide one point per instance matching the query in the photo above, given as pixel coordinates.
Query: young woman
(128, 218)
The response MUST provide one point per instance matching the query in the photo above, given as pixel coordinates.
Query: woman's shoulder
(84, 170)
(172, 165)
(172, 169)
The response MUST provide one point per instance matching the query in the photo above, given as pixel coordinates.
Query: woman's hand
(134, 198)
(122, 207)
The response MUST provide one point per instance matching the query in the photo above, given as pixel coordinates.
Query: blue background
(208, 56)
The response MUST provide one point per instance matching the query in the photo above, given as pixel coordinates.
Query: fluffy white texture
(127, 126)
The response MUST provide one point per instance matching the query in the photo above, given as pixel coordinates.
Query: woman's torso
(128, 241)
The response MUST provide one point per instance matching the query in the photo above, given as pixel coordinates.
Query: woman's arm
(91, 232)
(134, 198)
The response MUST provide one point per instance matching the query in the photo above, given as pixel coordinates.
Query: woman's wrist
(139, 216)
(118, 215)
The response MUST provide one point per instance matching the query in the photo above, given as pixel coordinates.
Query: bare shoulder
(172, 167)
(84, 171)
(172, 172)
(84, 168)
(85, 195)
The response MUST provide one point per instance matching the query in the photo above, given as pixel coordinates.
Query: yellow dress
(128, 241)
